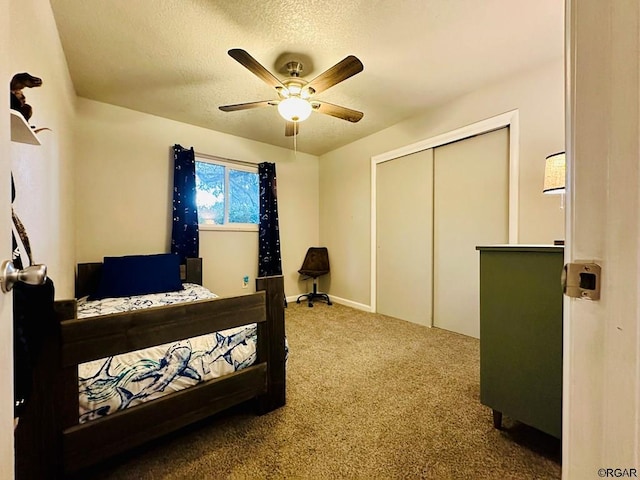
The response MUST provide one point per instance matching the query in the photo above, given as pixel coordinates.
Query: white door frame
(601, 385)
(508, 119)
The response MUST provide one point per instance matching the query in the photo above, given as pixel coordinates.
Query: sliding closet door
(471, 198)
(404, 209)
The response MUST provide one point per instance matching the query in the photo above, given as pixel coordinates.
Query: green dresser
(521, 334)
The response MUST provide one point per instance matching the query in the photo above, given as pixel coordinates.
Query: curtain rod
(228, 160)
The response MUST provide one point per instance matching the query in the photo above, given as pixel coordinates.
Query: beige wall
(124, 182)
(345, 174)
(43, 174)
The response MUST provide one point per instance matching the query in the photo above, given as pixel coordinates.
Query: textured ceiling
(169, 57)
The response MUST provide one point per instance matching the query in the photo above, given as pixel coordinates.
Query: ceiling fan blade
(246, 106)
(254, 67)
(342, 70)
(337, 111)
(291, 129)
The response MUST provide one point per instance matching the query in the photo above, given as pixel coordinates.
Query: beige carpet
(368, 397)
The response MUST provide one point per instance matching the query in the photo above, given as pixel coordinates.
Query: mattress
(122, 381)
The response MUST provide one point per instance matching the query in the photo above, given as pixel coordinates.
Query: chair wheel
(297, 301)
(310, 304)
(329, 303)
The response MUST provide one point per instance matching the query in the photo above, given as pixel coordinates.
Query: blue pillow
(139, 275)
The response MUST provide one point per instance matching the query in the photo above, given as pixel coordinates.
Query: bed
(55, 439)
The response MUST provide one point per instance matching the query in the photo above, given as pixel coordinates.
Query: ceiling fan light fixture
(294, 109)
(296, 95)
(294, 89)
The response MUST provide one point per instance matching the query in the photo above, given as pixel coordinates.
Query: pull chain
(295, 143)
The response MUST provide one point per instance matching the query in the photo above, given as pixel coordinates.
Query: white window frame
(234, 165)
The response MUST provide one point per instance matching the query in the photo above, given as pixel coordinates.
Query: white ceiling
(169, 57)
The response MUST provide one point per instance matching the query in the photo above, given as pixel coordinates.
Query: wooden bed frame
(50, 443)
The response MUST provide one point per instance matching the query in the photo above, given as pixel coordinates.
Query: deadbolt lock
(582, 280)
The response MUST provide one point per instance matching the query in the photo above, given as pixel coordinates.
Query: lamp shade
(294, 109)
(554, 173)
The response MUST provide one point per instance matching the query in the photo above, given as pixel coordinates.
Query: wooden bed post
(38, 438)
(271, 344)
(193, 271)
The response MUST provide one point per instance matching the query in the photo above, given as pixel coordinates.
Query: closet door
(471, 199)
(404, 210)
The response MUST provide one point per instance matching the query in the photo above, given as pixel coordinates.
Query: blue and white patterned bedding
(118, 382)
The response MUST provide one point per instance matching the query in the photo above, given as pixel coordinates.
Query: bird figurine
(18, 101)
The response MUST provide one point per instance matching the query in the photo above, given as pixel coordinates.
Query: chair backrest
(316, 262)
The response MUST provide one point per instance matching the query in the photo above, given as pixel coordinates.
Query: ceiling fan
(296, 96)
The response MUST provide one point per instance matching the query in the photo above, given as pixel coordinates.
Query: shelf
(21, 131)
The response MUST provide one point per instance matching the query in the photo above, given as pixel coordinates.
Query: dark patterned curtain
(184, 234)
(269, 261)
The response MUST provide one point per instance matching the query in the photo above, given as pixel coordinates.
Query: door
(6, 315)
(404, 209)
(471, 208)
(601, 412)
(433, 208)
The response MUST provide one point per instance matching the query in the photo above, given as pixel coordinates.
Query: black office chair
(315, 264)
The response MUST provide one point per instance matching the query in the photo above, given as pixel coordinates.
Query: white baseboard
(341, 301)
(351, 303)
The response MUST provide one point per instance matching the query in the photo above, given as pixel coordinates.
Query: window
(227, 195)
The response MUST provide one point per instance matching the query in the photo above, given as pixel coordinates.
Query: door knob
(33, 275)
